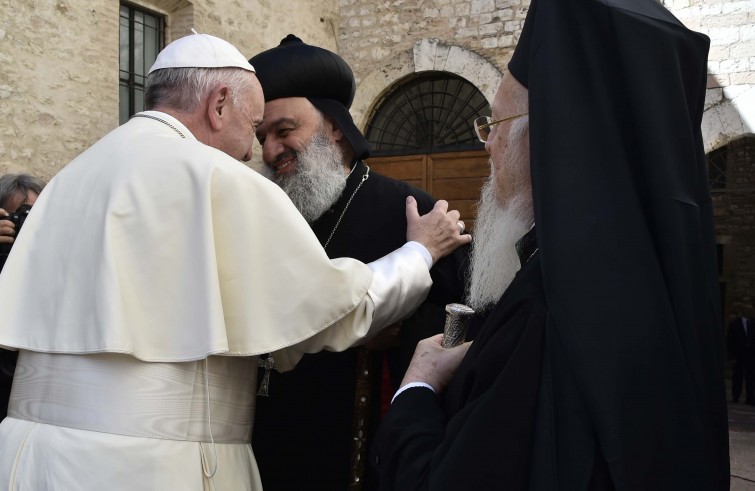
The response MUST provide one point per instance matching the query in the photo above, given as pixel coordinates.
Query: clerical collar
(526, 247)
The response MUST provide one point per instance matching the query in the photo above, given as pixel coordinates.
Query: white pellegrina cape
(150, 254)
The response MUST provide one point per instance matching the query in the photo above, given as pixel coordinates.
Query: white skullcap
(200, 51)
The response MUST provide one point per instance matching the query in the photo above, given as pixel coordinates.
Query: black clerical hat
(625, 230)
(297, 69)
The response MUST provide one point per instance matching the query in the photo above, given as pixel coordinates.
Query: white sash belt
(115, 393)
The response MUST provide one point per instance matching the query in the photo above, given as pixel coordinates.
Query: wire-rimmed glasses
(484, 124)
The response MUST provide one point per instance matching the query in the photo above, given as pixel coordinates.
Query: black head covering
(634, 346)
(297, 69)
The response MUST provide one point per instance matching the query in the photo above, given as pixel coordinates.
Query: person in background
(740, 341)
(16, 190)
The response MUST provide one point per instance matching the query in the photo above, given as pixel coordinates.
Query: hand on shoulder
(438, 230)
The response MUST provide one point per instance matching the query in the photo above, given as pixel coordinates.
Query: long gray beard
(494, 260)
(319, 178)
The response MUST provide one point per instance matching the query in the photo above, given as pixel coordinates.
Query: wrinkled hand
(438, 230)
(7, 229)
(434, 364)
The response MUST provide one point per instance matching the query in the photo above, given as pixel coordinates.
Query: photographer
(18, 192)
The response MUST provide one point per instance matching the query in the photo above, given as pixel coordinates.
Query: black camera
(18, 218)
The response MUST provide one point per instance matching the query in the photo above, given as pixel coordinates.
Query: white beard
(494, 260)
(319, 177)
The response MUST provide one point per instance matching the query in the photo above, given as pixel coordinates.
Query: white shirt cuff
(411, 385)
(412, 244)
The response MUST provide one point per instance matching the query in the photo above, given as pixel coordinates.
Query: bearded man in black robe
(600, 366)
(314, 429)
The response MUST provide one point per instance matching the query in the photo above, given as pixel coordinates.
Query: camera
(18, 218)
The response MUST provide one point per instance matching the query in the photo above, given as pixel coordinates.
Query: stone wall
(734, 208)
(375, 32)
(730, 101)
(58, 85)
(386, 41)
(379, 37)
(59, 81)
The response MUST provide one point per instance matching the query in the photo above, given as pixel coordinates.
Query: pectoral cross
(268, 364)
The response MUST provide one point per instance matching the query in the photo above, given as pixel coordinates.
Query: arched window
(428, 113)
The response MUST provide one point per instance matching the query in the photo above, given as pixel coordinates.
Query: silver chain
(139, 115)
(364, 178)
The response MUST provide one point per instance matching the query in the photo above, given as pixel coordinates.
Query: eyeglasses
(483, 125)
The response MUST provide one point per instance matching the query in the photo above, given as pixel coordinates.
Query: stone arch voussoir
(427, 55)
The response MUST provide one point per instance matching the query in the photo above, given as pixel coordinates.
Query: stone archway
(454, 176)
(427, 55)
(729, 119)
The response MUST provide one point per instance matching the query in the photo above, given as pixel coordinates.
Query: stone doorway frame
(427, 55)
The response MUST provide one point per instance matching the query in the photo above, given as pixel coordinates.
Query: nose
(249, 154)
(271, 149)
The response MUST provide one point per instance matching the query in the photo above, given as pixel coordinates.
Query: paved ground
(742, 445)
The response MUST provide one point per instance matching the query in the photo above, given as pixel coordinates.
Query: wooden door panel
(405, 168)
(467, 207)
(462, 164)
(456, 177)
(466, 188)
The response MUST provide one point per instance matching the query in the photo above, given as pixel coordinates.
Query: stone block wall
(374, 31)
(734, 209)
(730, 101)
(59, 77)
(59, 81)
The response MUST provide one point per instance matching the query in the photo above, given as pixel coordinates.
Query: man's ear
(333, 130)
(218, 106)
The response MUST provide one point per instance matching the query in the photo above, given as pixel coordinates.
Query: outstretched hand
(438, 230)
(433, 364)
(7, 229)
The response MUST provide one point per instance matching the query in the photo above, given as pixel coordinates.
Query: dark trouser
(743, 372)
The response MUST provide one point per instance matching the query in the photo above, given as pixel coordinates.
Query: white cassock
(151, 272)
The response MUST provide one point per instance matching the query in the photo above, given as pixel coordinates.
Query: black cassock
(305, 432)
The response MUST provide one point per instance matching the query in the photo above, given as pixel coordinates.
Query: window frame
(132, 79)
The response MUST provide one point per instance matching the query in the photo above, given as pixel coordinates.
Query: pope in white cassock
(152, 271)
